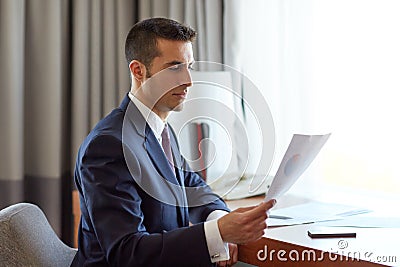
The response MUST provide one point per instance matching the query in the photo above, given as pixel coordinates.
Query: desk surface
(291, 246)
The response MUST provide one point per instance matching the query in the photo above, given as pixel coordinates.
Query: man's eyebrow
(175, 62)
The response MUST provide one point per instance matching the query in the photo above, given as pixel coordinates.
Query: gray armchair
(27, 239)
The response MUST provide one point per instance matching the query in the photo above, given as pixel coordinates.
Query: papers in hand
(301, 152)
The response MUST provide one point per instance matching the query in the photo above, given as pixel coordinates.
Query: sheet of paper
(366, 222)
(301, 152)
(313, 212)
(318, 210)
(272, 222)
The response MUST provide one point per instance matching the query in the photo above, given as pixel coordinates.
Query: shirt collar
(153, 120)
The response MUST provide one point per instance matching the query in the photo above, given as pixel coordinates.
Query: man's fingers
(244, 209)
(233, 253)
(263, 207)
(245, 224)
(270, 203)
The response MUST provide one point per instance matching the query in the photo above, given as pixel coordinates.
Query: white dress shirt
(218, 250)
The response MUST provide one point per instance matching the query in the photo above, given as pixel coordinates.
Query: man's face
(169, 76)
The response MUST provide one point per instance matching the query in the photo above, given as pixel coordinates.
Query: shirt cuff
(218, 250)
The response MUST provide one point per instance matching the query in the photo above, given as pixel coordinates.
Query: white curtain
(33, 81)
(99, 72)
(63, 68)
(275, 56)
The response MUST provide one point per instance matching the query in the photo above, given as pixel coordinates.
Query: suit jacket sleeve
(111, 209)
(201, 200)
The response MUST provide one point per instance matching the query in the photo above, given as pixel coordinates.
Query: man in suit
(137, 193)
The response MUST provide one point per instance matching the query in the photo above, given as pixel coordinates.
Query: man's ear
(138, 70)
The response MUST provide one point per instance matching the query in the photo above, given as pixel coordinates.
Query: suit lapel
(151, 144)
(159, 160)
(158, 157)
(177, 158)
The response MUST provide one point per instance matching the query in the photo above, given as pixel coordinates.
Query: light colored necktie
(166, 145)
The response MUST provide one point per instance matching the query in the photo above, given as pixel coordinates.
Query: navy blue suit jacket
(134, 210)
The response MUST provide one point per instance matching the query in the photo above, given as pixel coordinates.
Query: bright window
(331, 66)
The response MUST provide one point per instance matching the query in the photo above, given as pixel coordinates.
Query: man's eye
(179, 67)
(175, 67)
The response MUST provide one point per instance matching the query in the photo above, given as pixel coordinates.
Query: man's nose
(187, 78)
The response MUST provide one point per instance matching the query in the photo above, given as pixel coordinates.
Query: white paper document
(301, 152)
(312, 212)
(366, 222)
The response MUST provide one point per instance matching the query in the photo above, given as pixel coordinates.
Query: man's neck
(162, 114)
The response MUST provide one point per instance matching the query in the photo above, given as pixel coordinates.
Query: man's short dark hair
(141, 41)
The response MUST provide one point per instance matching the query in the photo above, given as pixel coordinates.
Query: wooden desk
(291, 246)
(76, 213)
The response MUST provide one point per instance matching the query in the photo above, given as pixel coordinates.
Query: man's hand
(244, 225)
(233, 253)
